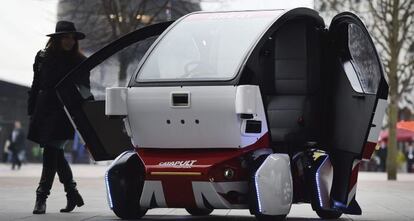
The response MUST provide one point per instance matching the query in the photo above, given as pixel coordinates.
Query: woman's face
(68, 41)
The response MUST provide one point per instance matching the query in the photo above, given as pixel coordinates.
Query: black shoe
(40, 206)
(73, 199)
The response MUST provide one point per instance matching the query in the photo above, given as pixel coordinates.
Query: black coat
(19, 143)
(48, 120)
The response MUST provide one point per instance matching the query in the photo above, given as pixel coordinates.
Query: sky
(24, 24)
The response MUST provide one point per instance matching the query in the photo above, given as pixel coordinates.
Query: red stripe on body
(354, 177)
(368, 150)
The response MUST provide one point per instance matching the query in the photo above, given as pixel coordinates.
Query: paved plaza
(378, 198)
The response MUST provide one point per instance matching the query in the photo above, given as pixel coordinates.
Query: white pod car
(247, 109)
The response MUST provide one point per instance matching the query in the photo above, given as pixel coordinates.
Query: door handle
(358, 96)
(180, 99)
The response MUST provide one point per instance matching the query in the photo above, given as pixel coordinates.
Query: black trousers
(54, 162)
(15, 159)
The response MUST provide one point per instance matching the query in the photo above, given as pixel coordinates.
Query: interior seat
(292, 103)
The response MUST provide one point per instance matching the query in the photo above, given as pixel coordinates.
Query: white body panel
(377, 121)
(152, 188)
(115, 101)
(274, 186)
(211, 192)
(202, 191)
(209, 121)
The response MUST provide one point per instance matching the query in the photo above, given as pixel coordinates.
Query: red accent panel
(354, 177)
(209, 162)
(368, 150)
(178, 192)
(204, 159)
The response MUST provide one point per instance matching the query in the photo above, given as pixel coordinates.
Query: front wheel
(261, 217)
(328, 214)
(198, 211)
(126, 205)
(125, 183)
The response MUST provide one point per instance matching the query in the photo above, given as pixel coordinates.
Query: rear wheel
(261, 217)
(198, 211)
(328, 214)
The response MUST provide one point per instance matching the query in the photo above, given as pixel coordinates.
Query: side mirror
(116, 101)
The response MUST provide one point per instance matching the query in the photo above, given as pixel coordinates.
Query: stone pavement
(378, 198)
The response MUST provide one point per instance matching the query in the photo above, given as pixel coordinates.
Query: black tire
(199, 212)
(130, 214)
(126, 194)
(328, 214)
(261, 217)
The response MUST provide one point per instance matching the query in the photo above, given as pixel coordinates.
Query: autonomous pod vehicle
(252, 110)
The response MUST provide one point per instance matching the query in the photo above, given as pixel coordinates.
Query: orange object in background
(405, 132)
(406, 125)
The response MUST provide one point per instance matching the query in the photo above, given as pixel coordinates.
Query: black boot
(66, 177)
(73, 199)
(43, 191)
(40, 205)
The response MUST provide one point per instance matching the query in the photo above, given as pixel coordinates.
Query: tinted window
(364, 57)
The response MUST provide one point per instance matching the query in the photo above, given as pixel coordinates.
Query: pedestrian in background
(382, 154)
(409, 155)
(49, 125)
(17, 144)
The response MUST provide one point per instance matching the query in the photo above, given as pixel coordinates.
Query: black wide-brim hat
(66, 27)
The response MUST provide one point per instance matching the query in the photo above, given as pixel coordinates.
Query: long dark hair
(54, 45)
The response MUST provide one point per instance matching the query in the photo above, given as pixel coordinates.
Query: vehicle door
(105, 137)
(357, 86)
(357, 99)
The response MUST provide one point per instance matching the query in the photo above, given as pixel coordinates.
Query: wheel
(328, 214)
(130, 214)
(261, 217)
(127, 205)
(199, 212)
(125, 193)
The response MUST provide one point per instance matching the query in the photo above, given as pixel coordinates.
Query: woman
(49, 125)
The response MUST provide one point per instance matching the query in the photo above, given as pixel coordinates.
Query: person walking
(49, 125)
(409, 153)
(17, 143)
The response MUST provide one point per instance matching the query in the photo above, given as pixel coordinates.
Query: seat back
(292, 104)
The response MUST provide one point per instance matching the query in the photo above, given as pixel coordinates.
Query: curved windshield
(206, 46)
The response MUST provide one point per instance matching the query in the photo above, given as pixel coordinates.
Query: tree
(391, 24)
(106, 20)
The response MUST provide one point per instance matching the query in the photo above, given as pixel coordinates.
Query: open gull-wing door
(358, 92)
(105, 138)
